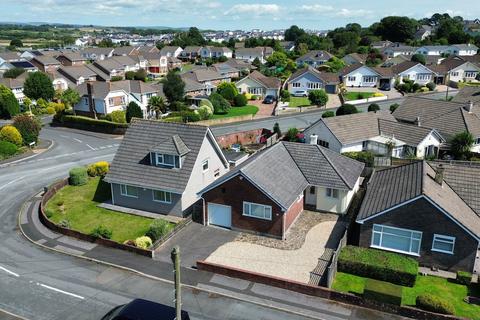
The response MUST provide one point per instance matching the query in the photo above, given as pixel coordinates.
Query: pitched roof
(131, 164)
(404, 66)
(351, 68)
(10, 56)
(316, 55)
(267, 82)
(172, 145)
(169, 50)
(394, 186)
(46, 60)
(358, 57)
(73, 56)
(407, 133)
(101, 89)
(467, 94)
(12, 83)
(124, 51)
(75, 72)
(327, 77)
(203, 74)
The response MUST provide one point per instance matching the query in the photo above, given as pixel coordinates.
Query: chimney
(417, 122)
(439, 174)
(313, 139)
(469, 106)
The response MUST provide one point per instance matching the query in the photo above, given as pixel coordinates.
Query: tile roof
(316, 55)
(168, 50)
(203, 74)
(131, 164)
(10, 56)
(407, 133)
(12, 83)
(267, 82)
(394, 186)
(404, 66)
(359, 57)
(327, 77)
(75, 72)
(467, 94)
(46, 60)
(172, 145)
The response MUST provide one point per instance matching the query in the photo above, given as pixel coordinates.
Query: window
(168, 160)
(162, 196)
(351, 78)
(314, 85)
(477, 141)
(332, 193)
(470, 74)
(216, 173)
(443, 244)
(312, 190)
(423, 76)
(296, 84)
(396, 239)
(205, 165)
(256, 210)
(454, 74)
(369, 79)
(122, 99)
(323, 143)
(110, 101)
(128, 191)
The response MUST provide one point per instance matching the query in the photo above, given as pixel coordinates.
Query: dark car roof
(140, 309)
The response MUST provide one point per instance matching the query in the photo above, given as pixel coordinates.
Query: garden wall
(213, 122)
(320, 292)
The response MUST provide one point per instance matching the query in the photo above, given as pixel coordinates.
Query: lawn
(349, 96)
(237, 111)
(299, 102)
(78, 205)
(440, 287)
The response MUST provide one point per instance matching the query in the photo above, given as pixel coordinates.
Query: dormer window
(167, 160)
(169, 153)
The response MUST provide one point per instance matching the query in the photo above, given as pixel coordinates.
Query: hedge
(436, 304)
(7, 149)
(377, 264)
(87, 123)
(383, 292)
(366, 157)
(78, 176)
(464, 277)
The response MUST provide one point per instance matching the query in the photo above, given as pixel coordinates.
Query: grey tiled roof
(131, 164)
(267, 82)
(408, 133)
(394, 186)
(172, 145)
(467, 94)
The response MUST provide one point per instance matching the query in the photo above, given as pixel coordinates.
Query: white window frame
(166, 195)
(205, 162)
(160, 160)
(332, 193)
(412, 253)
(454, 74)
(124, 191)
(369, 79)
(296, 85)
(248, 205)
(470, 74)
(446, 239)
(352, 78)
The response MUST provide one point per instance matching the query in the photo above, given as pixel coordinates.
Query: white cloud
(330, 11)
(255, 9)
(316, 8)
(347, 13)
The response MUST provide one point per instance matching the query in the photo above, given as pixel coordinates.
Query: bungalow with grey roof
(250, 54)
(260, 85)
(313, 58)
(308, 78)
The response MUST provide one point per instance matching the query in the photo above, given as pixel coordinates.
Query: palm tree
(461, 144)
(156, 104)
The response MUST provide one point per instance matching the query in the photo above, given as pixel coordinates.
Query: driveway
(196, 242)
(392, 94)
(264, 110)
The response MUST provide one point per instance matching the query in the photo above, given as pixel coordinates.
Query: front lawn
(236, 112)
(78, 206)
(444, 288)
(299, 102)
(349, 96)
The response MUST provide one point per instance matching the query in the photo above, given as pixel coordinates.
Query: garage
(219, 215)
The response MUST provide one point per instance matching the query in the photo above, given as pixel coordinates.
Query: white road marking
(78, 140)
(9, 272)
(91, 148)
(61, 291)
(13, 181)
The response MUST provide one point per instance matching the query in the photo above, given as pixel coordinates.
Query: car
(300, 93)
(140, 309)
(269, 99)
(385, 86)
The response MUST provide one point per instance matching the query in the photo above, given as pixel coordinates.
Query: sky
(228, 14)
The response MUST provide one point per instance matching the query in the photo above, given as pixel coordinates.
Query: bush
(98, 169)
(158, 228)
(101, 232)
(50, 110)
(362, 156)
(64, 224)
(377, 264)
(240, 100)
(328, 114)
(189, 116)
(383, 292)
(464, 277)
(346, 109)
(28, 126)
(433, 303)
(7, 149)
(292, 135)
(133, 111)
(204, 112)
(87, 123)
(220, 104)
(11, 134)
(249, 96)
(285, 95)
(373, 107)
(378, 94)
(227, 90)
(318, 97)
(78, 176)
(143, 242)
(9, 105)
(116, 78)
(431, 86)
(394, 107)
(117, 116)
(207, 103)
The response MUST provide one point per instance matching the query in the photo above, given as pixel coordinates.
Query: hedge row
(383, 292)
(377, 264)
(436, 304)
(87, 123)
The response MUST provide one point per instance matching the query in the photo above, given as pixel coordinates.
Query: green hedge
(78, 176)
(7, 149)
(383, 292)
(366, 157)
(464, 277)
(377, 264)
(434, 304)
(91, 124)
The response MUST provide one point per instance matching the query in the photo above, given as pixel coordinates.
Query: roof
(172, 145)
(74, 56)
(10, 56)
(169, 50)
(359, 57)
(46, 60)
(407, 133)
(75, 72)
(267, 82)
(327, 77)
(404, 66)
(22, 64)
(131, 164)
(467, 94)
(124, 51)
(97, 51)
(12, 83)
(316, 55)
(101, 89)
(203, 74)
(396, 185)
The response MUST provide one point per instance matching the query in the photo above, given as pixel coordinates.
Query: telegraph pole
(175, 256)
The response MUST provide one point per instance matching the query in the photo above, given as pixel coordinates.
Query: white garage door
(219, 215)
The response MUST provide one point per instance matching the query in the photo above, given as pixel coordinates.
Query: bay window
(396, 239)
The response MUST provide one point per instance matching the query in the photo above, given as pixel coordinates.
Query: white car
(300, 93)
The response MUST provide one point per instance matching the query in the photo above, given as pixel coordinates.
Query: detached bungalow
(414, 71)
(313, 58)
(260, 85)
(207, 77)
(309, 79)
(215, 52)
(457, 70)
(250, 54)
(359, 75)
(463, 49)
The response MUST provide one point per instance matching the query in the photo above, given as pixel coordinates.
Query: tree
(220, 104)
(256, 62)
(334, 64)
(278, 59)
(173, 87)
(373, 107)
(140, 75)
(9, 106)
(292, 135)
(346, 109)
(133, 111)
(105, 43)
(397, 29)
(228, 90)
(420, 58)
(301, 49)
(157, 105)
(129, 75)
(328, 114)
(240, 100)
(276, 130)
(70, 98)
(461, 144)
(13, 73)
(16, 43)
(28, 126)
(38, 85)
(294, 33)
(318, 97)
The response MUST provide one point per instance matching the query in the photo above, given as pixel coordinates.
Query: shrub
(158, 228)
(394, 107)
(9, 105)
(373, 107)
(117, 116)
(116, 78)
(249, 96)
(133, 111)
(318, 97)
(424, 89)
(28, 126)
(285, 95)
(378, 94)
(464, 277)
(346, 109)
(207, 103)
(328, 114)
(220, 104)
(64, 224)
(383, 292)
(7, 149)
(377, 264)
(204, 112)
(78, 176)
(50, 110)
(189, 116)
(362, 156)
(431, 86)
(143, 242)
(292, 135)
(101, 232)
(240, 100)
(98, 169)
(87, 123)
(11, 134)
(227, 90)
(436, 304)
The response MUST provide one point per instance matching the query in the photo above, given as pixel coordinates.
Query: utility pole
(175, 256)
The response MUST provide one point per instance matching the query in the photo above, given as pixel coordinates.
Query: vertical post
(175, 256)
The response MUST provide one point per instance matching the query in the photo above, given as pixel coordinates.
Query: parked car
(140, 309)
(385, 86)
(269, 99)
(300, 93)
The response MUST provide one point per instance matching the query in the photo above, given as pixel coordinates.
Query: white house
(309, 79)
(466, 72)
(432, 50)
(171, 51)
(260, 85)
(462, 49)
(358, 75)
(414, 71)
(250, 54)
(215, 52)
(16, 85)
(394, 51)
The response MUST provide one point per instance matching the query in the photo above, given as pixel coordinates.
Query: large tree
(133, 111)
(9, 106)
(397, 29)
(461, 144)
(38, 85)
(156, 105)
(294, 33)
(70, 98)
(173, 87)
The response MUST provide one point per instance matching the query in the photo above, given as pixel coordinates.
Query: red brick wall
(293, 212)
(232, 193)
(245, 137)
